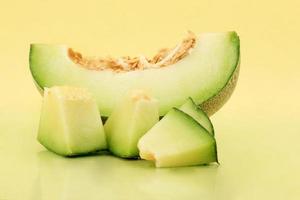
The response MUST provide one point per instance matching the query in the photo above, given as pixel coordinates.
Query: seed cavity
(163, 58)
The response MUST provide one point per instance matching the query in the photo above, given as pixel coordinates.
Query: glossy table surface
(257, 131)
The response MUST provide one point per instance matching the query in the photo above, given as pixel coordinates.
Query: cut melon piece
(70, 122)
(131, 119)
(207, 71)
(178, 140)
(190, 108)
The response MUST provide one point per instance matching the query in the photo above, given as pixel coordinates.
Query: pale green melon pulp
(70, 122)
(131, 119)
(178, 140)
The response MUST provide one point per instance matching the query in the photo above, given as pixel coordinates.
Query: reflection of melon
(203, 67)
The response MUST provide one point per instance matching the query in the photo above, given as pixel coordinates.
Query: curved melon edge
(215, 103)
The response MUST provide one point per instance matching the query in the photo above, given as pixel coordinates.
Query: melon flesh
(70, 122)
(210, 68)
(178, 140)
(131, 119)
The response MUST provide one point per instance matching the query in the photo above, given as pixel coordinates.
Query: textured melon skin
(215, 103)
(50, 66)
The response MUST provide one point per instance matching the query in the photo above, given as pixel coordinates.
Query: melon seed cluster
(163, 58)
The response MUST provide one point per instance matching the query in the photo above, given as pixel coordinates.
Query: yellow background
(257, 130)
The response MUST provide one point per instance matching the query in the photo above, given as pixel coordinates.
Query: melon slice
(130, 120)
(70, 122)
(204, 67)
(190, 108)
(178, 140)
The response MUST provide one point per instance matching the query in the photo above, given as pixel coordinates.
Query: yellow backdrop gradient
(258, 130)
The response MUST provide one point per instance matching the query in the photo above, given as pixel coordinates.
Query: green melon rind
(216, 102)
(194, 121)
(200, 112)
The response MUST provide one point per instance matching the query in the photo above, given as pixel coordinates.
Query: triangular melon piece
(178, 140)
(190, 108)
(135, 114)
(70, 122)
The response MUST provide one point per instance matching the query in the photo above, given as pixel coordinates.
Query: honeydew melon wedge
(130, 120)
(208, 74)
(190, 108)
(70, 122)
(178, 140)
